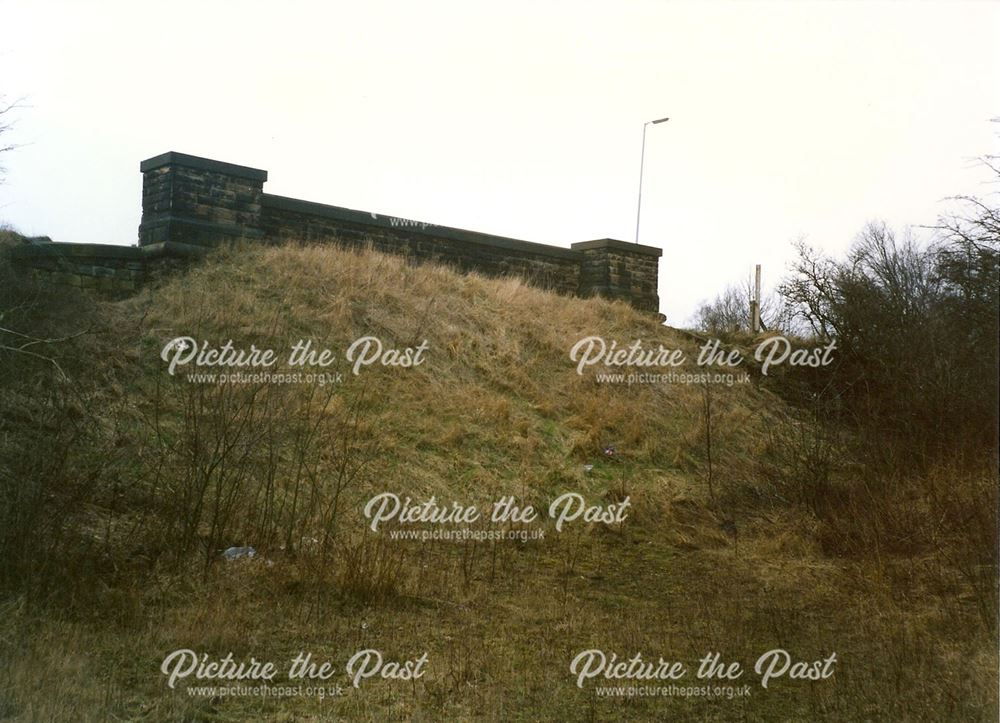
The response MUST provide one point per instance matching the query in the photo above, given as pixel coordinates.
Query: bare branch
(32, 341)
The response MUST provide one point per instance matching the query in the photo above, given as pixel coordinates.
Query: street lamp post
(642, 160)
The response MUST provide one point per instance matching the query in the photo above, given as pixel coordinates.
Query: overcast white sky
(520, 119)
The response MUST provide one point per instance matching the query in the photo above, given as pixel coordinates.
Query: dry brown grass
(498, 409)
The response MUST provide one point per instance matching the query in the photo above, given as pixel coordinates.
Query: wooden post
(755, 304)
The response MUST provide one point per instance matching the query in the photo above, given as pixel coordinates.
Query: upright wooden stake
(755, 306)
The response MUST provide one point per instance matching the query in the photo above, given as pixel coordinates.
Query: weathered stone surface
(191, 204)
(111, 271)
(201, 202)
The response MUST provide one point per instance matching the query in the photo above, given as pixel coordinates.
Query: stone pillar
(619, 270)
(199, 202)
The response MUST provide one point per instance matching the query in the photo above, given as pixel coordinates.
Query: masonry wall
(109, 271)
(201, 202)
(197, 201)
(545, 266)
(191, 204)
(614, 269)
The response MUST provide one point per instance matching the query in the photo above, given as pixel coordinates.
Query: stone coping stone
(202, 164)
(89, 251)
(613, 243)
(364, 218)
(107, 251)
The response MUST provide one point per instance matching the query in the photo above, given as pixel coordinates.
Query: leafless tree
(6, 123)
(915, 326)
(729, 312)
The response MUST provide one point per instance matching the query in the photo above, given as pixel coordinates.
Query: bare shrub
(371, 568)
(729, 312)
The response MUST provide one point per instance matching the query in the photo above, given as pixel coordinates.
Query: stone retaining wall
(546, 266)
(191, 204)
(110, 271)
(200, 201)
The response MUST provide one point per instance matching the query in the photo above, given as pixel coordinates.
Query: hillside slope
(155, 473)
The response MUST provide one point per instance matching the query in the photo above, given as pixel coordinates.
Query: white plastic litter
(235, 553)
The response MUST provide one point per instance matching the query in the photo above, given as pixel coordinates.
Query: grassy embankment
(122, 484)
